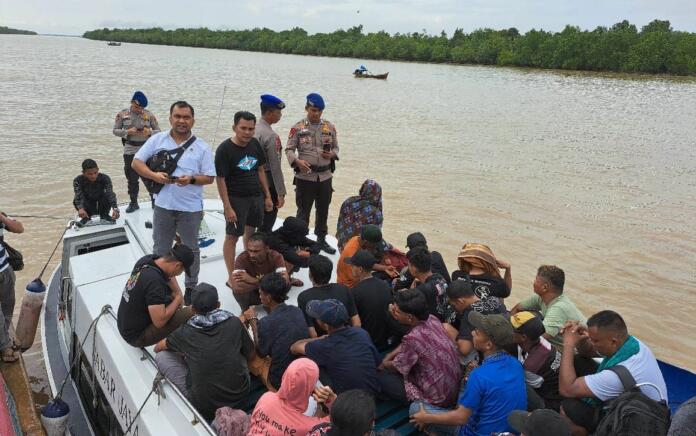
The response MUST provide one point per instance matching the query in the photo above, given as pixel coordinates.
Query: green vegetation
(656, 48)
(10, 31)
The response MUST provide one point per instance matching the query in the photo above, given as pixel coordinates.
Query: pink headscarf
(298, 384)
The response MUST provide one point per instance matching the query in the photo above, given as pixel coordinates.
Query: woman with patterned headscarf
(478, 264)
(358, 210)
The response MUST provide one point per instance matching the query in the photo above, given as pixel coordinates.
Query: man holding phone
(134, 126)
(312, 149)
(179, 205)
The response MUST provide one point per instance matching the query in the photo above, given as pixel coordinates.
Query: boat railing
(140, 243)
(197, 417)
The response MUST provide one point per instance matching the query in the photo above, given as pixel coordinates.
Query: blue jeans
(439, 430)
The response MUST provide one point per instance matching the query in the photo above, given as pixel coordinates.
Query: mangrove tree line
(11, 31)
(656, 48)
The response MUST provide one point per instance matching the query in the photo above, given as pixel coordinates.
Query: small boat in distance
(370, 76)
(363, 73)
(114, 43)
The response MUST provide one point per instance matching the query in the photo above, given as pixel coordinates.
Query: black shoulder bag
(14, 257)
(164, 161)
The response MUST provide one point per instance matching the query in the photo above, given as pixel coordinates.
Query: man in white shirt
(606, 335)
(179, 205)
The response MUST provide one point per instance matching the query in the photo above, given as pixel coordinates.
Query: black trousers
(131, 176)
(306, 194)
(392, 385)
(270, 217)
(100, 206)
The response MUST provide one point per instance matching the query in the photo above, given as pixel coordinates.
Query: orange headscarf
(479, 256)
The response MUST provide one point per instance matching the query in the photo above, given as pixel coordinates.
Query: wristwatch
(193, 180)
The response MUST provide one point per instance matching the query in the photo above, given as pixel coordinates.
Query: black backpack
(633, 413)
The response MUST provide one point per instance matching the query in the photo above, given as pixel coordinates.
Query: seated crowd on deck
(394, 326)
(452, 353)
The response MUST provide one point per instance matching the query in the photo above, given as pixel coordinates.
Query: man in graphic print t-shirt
(242, 184)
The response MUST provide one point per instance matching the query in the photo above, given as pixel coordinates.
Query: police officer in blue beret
(134, 126)
(312, 150)
(271, 112)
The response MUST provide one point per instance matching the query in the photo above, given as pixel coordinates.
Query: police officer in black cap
(312, 150)
(134, 126)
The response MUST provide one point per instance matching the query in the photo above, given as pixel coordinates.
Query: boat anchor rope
(104, 310)
(54, 415)
(155, 389)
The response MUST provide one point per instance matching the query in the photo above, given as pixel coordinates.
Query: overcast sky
(76, 16)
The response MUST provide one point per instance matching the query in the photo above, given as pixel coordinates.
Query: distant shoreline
(621, 48)
(10, 31)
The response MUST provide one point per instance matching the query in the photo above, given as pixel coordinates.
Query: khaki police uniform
(131, 143)
(306, 142)
(273, 149)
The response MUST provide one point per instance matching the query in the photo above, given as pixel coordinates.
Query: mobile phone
(173, 177)
(322, 405)
(327, 147)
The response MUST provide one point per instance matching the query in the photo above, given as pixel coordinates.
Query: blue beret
(140, 98)
(315, 100)
(273, 101)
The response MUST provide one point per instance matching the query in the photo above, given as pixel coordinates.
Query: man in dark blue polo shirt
(347, 354)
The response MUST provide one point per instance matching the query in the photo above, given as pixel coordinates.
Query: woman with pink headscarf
(282, 413)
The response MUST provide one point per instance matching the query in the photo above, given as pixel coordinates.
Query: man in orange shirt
(370, 239)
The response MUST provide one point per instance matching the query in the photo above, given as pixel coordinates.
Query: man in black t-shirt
(275, 333)
(320, 268)
(432, 285)
(242, 185)
(484, 285)
(149, 308)
(464, 300)
(206, 358)
(417, 239)
(540, 359)
(372, 297)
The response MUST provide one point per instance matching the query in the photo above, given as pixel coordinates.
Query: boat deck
(96, 278)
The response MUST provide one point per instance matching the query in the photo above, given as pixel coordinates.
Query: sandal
(9, 355)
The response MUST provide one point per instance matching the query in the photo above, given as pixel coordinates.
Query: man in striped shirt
(7, 290)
